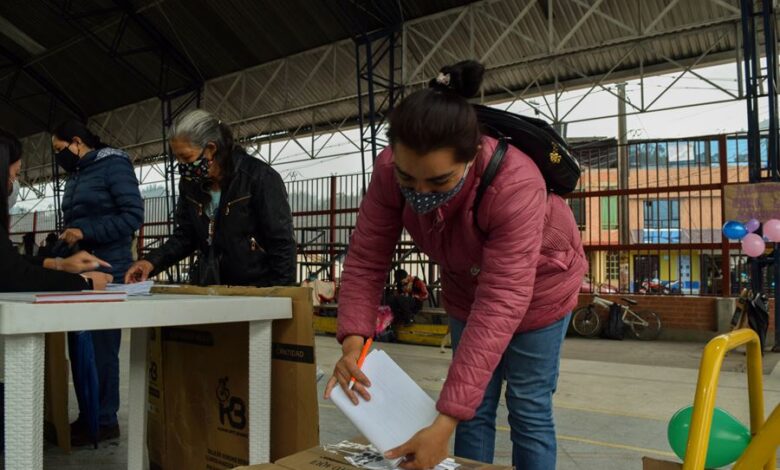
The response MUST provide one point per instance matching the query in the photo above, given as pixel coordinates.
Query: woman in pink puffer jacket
(508, 285)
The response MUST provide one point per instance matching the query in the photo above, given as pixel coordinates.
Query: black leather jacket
(253, 241)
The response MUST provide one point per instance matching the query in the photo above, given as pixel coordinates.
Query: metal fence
(649, 213)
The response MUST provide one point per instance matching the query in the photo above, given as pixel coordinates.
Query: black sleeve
(181, 244)
(273, 210)
(18, 275)
(36, 260)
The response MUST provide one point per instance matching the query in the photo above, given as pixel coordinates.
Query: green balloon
(728, 437)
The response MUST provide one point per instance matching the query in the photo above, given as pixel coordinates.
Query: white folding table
(24, 324)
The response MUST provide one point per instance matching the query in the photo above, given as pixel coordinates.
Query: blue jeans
(530, 367)
(107, 360)
(106, 345)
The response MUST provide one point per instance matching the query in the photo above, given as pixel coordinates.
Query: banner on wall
(747, 201)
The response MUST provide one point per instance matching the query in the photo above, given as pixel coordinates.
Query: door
(711, 274)
(646, 268)
(684, 271)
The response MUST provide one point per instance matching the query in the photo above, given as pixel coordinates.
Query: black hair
(69, 130)
(440, 116)
(14, 146)
(28, 240)
(224, 154)
(10, 153)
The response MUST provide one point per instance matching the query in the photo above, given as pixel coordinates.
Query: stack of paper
(398, 408)
(367, 457)
(139, 288)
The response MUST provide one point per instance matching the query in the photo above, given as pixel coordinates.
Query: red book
(80, 297)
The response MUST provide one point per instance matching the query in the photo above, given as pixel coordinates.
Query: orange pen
(362, 358)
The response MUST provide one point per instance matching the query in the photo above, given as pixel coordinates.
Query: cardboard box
(318, 458)
(155, 399)
(55, 395)
(655, 464)
(265, 466)
(199, 399)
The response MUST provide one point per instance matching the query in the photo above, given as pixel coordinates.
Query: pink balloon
(752, 225)
(772, 230)
(753, 245)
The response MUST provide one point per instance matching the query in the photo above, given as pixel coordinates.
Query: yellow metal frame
(762, 448)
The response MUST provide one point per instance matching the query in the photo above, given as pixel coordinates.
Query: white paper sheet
(139, 288)
(398, 408)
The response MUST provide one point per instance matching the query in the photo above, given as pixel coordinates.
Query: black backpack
(537, 139)
(614, 327)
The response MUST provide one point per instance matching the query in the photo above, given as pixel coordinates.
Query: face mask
(14, 195)
(197, 170)
(423, 203)
(67, 160)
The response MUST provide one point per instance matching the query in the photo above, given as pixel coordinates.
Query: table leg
(24, 401)
(259, 392)
(136, 433)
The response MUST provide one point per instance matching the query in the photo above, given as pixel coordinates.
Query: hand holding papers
(398, 408)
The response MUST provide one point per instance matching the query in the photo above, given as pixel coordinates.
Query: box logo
(232, 409)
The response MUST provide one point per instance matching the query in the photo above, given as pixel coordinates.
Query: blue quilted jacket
(103, 200)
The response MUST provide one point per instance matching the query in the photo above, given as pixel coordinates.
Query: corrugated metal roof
(216, 37)
(297, 84)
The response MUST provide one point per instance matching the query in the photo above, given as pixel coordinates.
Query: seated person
(407, 298)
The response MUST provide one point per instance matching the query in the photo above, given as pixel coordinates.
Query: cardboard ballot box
(198, 386)
(318, 458)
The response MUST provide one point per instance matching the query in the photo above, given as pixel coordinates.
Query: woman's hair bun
(463, 78)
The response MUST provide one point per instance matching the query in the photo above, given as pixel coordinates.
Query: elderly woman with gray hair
(232, 211)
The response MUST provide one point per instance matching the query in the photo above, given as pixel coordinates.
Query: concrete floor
(613, 403)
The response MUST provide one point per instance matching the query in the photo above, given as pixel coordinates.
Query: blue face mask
(423, 203)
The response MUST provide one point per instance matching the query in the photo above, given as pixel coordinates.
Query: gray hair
(199, 127)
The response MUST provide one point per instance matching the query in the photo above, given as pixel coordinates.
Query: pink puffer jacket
(523, 273)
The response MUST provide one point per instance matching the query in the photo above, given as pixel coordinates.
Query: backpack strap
(488, 176)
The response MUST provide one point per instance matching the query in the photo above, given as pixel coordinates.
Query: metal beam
(686, 70)
(20, 38)
(593, 8)
(52, 90)
(607, 17)
(438, 44)
(508, 30)
(657, 19)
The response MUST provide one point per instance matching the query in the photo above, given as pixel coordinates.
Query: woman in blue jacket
(102, 208)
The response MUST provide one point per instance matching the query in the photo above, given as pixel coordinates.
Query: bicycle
(644, 324)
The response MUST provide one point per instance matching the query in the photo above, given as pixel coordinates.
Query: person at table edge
(232, 210)
(37, 274)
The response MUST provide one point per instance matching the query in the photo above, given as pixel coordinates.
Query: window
(613, 265)
(578, 208)
(662, 214)
(609, 213)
